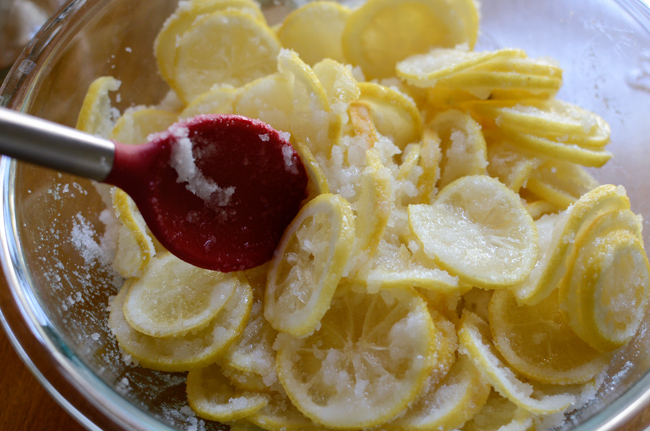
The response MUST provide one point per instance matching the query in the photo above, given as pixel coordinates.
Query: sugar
(182, 160)
(287, 155)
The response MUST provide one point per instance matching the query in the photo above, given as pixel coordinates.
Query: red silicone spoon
(216, 190)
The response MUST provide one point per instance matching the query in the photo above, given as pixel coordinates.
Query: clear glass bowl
(55, 308)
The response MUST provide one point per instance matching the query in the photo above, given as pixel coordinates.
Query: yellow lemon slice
(556, 236)
(499, 413)
(97, 115)
(173, 297)
(474, 336)
(311, 121)
(266, 99)
(608, 283)
(540, 207)
(430, 159)
(317, 183)
(394, 114)
(559, 150)
(479, 230)
(381, 33)
(463, 146)
(281, 415)
(245, 380)
(308, 264)
(561, 183)
(524, 65)
(227, 47)
(370, 358)
(482, 83)
(451, 403)
(314, 31)
(186, 352)
(182, 20)
(338, 82)
(424, 70)
(511, 166)
(135, 126)
(211, 395)
(538, 342)
(135, 247)
(221, 100)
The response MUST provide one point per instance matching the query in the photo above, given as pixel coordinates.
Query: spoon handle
(52, 145)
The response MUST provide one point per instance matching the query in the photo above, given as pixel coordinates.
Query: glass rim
(96, 405)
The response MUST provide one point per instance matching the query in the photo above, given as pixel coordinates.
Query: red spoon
(216, 190)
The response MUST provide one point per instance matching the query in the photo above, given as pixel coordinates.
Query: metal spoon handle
(52, 145)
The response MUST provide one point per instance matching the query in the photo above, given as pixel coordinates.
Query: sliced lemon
(430, 159)
(311, 121)
(478, 302)
(227, 47)
(173, 297)
(182, 20)
(97, 115)
(253, 352)
(540, 207)
(394, 114)
(338, 82)
(186, 352)
(212, 396)
(317, 183)
(538, 342)
(370, 358)
(484, 82)
(135, 247)
(560, 183)
(608, 283)
(463, 146)
(308, 265)
(424, 70)
(525, 65)
(221, 100)
(135, 126)
(266, 99)
(479, 230)
(245, 380)
(451, 403)
(281, 415)
(500, 414)
(474, 336)
(314, 31)
(556, 237)
(511, 166)
(381, 33)
(556, 149)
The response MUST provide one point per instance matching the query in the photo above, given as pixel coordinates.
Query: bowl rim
(72, 384)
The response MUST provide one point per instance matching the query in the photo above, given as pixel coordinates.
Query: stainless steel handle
(52, 145)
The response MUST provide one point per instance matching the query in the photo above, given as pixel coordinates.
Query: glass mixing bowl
(54, 310)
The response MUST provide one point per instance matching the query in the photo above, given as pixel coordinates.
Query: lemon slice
(212, 396)
(253, 352)
(500, 414)
(511, 166)
(538, 342)
(540, 207)
(173, 297)
(97, 115)
(314, 31)
(556, 236)
(308, 264)
(266, 99)
(135, 126)
(424, 70)
(221, 100)
(451, 403)
(311, 121)
(245, 380)
(281, 415)
(607, 284)
(182, 20)
(186, 352)
(381, 33)
(479, 230)
(474, 336)
(525, 65)
(559, 150)
(484, 81)
(370, 358)
(394, 114)
(430, 159)
(135, 248)
(317, 183)
(463, 146)
(228, 47)
(338, 82)
(561, 183)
